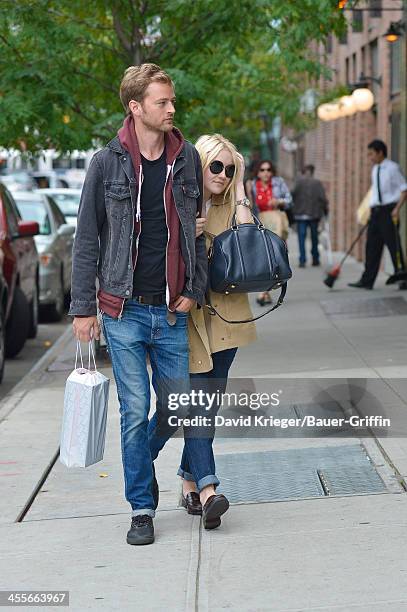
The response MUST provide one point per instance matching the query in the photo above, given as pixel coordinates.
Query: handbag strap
(280, 300)
(79, 350)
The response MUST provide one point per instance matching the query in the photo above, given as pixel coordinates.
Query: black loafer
(214, 507)
(360, 285)
(192, 503)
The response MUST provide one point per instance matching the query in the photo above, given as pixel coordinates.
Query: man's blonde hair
(136, 79)
(209, 147)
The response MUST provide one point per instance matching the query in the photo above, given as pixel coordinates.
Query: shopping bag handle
(79, 349)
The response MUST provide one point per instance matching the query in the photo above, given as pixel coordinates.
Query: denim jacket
(104, 237)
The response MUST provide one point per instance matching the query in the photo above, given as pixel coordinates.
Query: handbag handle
(280, 300)
(79, 350)
(235, 225)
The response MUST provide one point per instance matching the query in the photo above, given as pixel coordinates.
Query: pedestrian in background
(213, 343)
(270, 199)
(310, 204)
(389, 192)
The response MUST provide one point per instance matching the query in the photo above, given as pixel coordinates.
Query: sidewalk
(339, 553)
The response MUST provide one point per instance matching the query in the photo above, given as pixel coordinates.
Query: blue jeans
(198, 462)
(302, 227)
(144, 330)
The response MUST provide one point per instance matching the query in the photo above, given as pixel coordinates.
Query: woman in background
(270, 198)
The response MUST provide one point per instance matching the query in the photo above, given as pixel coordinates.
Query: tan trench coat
(208, 333)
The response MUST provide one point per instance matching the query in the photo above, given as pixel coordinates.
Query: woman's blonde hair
(209, 147)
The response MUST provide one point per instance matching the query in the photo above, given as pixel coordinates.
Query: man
(136, 233)
(389, 192)
(310, 205)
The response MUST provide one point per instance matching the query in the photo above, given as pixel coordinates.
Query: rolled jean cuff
(185, 475)
(147, 511)
(206, 481)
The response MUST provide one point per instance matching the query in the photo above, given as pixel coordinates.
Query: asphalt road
(16, 368)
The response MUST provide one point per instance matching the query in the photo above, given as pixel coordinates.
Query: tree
(61, 63)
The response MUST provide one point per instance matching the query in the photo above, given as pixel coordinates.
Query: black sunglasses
(217, 166)
(265, 169)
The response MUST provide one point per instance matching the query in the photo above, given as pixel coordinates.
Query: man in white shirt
(389, 192)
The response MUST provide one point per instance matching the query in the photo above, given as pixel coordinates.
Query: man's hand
(200, 224)
(183, 304)
(395, 214)
(86, 328)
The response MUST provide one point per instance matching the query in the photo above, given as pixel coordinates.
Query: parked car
(67, 200)
(48, 178)
(17, 181)
(54, 244)
(21, 272)
(3, 302)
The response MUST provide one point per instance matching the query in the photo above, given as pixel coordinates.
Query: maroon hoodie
(175, 266)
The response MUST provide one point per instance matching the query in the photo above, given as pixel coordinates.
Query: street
(33, 350)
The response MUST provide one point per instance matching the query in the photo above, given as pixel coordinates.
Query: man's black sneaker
(360, 285)
(155, 490)
(141, 530)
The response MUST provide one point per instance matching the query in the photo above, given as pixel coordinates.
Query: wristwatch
(244, 202)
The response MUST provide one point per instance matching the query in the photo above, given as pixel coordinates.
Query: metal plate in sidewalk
(353, 308)
(293, 474)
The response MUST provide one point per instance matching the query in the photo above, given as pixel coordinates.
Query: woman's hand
(240, 169)
(200, 224)
(240, 191)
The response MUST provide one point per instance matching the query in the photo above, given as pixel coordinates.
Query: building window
(354, 68)
(363, 59)
(343, 39)
(357, 21)
(395, 67)
(375, 8)
(329, 44)
(374, 65)
(395, 121)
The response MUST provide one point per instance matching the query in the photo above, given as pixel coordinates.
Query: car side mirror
(27, 229)
(66, 230)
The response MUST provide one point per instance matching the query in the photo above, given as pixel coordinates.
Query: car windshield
(35, 211)
(18, 180)
(68, 203)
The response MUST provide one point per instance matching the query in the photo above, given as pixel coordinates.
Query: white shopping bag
(85, 413)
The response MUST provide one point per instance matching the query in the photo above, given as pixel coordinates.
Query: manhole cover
(352, 308)
(297, 473)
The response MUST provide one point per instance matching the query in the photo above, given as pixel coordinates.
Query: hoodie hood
(174, 141)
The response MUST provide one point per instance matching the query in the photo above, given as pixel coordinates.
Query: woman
(270, 198)
(214, 343)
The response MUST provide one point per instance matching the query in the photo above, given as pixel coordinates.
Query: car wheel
(56, 310)
(18, 324)
(2, 344)
(33, 329)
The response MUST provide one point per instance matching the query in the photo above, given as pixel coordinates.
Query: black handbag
(248, 258)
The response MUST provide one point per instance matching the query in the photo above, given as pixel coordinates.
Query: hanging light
(363, 99)
(328, 112)
(347, 106)
(394, 32)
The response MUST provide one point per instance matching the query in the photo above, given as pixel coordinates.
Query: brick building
(338, 148)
